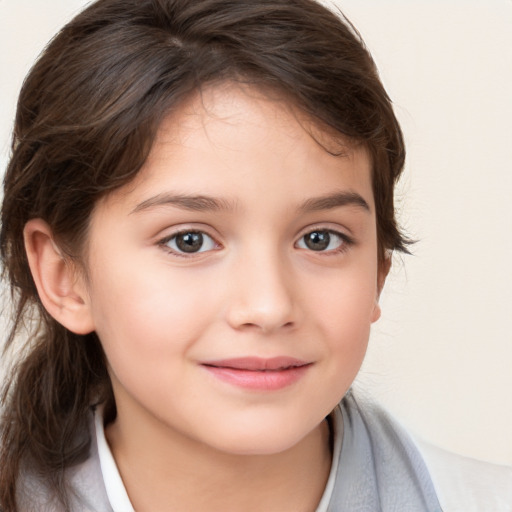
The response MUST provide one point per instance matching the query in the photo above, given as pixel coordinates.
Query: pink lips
(258, 373)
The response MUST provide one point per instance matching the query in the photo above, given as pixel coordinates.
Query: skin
(255, 288)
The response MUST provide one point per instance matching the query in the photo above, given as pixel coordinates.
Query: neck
(171, 472)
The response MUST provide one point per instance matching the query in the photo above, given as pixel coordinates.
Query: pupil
(189, 242)
(317, 240)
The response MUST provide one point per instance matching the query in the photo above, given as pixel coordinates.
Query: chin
(264, 441)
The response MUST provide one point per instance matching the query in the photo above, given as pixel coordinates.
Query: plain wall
(441, 356)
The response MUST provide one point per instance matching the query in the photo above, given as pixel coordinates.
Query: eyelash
(344, 242)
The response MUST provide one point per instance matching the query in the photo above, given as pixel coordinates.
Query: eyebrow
(336, 200)
(201, 203)
(198, 203)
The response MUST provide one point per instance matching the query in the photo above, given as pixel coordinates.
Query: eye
(190, 242)
(323, 240)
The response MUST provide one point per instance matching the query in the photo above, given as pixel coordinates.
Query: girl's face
(233, 284)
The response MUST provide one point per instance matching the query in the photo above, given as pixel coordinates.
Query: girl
(198, 221)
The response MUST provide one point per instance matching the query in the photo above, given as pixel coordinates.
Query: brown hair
(87, 115)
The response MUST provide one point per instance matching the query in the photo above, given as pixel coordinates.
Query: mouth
(259, 373)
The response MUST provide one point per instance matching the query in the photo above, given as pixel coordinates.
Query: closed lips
(259, 374)
(258, 364)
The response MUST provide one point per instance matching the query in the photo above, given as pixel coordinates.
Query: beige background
(441, 356)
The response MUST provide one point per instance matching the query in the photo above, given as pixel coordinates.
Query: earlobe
(59, 285)
(376, 311)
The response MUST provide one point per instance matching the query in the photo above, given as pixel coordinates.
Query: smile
(259, 373)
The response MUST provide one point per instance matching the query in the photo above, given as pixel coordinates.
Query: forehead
(229, 138)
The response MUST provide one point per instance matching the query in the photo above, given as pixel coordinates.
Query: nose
(262, 294)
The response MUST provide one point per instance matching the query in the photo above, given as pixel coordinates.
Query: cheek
(147, 327)
(347, 299)
(345, 309)
(149, 313)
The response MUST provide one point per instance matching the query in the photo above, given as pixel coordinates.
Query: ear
(383, 272)
(60, 286)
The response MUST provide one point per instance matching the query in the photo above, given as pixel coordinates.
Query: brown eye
(322, 240)
(317, 240)
(190, 242)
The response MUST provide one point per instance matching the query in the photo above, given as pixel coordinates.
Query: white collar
(337, 436)
(114, 486)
